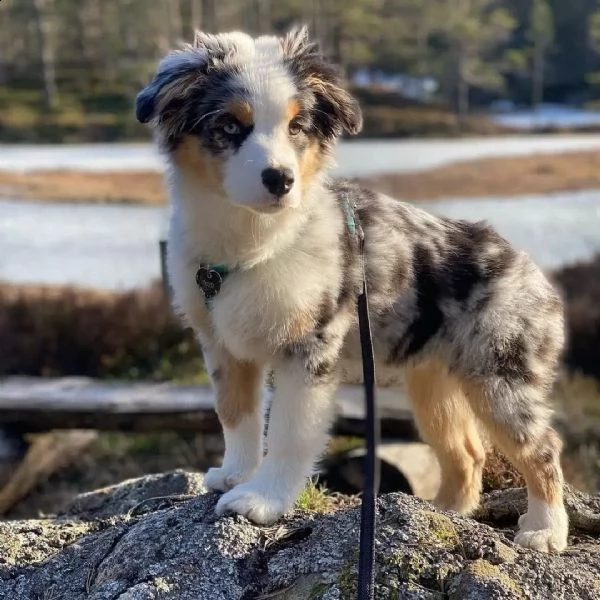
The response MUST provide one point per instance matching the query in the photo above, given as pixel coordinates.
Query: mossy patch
(347, 580)
(505, 554)
(411, 566)
(485, 570)
(319, 590)
(439, 529)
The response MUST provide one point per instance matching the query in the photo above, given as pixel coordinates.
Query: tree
(43, 18)
(542, 33)
(468, 31)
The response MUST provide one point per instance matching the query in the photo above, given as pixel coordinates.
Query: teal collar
(350, 215)
(210, 277)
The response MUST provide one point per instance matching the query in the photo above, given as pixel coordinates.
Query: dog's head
(254, 119)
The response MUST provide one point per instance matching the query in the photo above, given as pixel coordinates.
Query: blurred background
(478, 109)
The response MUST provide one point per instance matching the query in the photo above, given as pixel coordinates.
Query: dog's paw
(542, 540)
(260, 505)
(222, 479)
(544, 530)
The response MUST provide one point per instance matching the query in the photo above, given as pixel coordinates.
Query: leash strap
(368, 514)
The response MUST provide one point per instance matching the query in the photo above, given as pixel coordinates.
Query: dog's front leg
(238, 387)
(300, 416)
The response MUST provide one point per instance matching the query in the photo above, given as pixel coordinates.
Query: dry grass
(580, 285)
(315, 498)
(57, 331)
(134, 187)
(507, 176)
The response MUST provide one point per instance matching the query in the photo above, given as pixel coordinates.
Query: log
(37, 405)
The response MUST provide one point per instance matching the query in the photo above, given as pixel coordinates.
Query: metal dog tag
(209, 281)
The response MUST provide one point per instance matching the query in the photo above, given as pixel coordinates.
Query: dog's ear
(337, 109)
(179, 66)
(343, 109)
(180, 70)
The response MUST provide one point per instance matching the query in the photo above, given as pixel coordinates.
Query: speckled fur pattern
(469, 321)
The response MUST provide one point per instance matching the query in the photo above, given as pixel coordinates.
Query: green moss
(347, 580)
(485, 570)
(440, 529)
(410, 565)
(505, 554)
(318, 590)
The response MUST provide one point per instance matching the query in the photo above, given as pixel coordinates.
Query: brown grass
(57, 331)
(580, 286)
(136, 187)
(505, 176)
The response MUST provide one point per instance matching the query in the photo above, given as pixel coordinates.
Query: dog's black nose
(278, 181)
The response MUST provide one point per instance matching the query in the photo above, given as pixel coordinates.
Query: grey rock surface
(157, 538)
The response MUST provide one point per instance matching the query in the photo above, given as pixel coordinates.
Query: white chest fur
(259, 309)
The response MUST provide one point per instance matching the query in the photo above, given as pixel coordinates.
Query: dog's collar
(209, 278)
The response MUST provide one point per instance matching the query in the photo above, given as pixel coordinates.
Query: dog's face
(253, 119)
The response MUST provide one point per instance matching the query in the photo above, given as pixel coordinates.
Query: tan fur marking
(198, 163)
(242, 111)
(292, 109)
(310, 163)
(537, 459)
(299, 327)
(448, 425)
(236, 390)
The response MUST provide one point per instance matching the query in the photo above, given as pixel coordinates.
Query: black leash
(368, 513)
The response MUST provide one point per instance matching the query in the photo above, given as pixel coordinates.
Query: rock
(157, 538)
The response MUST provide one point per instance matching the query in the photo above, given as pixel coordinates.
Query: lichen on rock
(157, 538)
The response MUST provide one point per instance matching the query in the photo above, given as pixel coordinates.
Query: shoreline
(500, 176)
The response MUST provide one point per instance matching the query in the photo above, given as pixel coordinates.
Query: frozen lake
(364, 157)
(117, 246)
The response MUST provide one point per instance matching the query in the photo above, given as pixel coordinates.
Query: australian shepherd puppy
(265, 266)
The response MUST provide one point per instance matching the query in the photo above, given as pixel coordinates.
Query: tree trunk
(209, 14)
(196, 15)
(175, 22)
(263, 21)
(462, 88)
(5, 43)
(46, 50)
(537, 79)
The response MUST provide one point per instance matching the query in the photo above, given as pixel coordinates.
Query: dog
(265, 265)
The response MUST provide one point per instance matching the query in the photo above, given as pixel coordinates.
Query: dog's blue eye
(231, 128)
(294, 128)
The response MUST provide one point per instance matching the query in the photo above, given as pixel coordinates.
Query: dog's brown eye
(294, 128)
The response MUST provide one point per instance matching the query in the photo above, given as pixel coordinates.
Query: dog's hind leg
(447, 423)
(518, 420)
